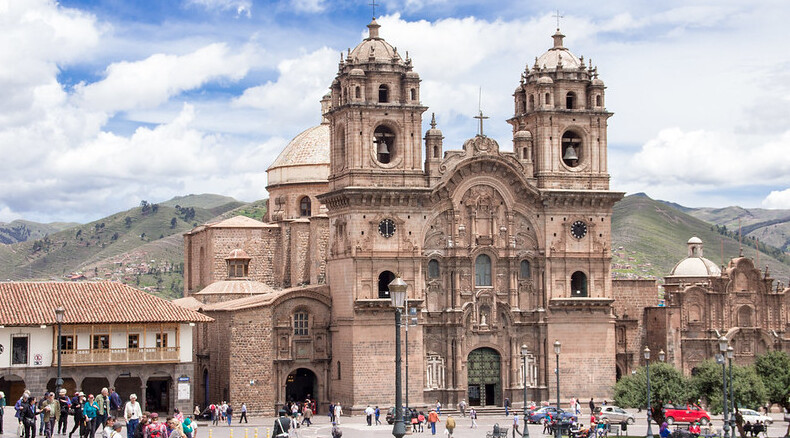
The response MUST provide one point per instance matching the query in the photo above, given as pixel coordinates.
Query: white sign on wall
(183, 391)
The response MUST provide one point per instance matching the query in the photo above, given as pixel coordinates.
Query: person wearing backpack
(281, 425)
(336, 432)
(155, 429)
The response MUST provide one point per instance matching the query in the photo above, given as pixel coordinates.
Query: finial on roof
(558, 36)
(373, 29)
(433, 120)
(373, 6)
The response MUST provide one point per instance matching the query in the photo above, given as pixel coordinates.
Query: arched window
(745, 316)
(338, 370)
(525, 271)
(357, 92)
(301, 320)
(571, 149)
(384, 93)
(522, 106)
(384, 142)
(531, 102)
(413, 94)
(548, 99)
(345, 95)
(598, 101)
(578, 284)
(341, 148)
(304, 206)
(238, 268)
(483, 270)
(385, 278)
(433, 269)
(570, 100)
(436, 151)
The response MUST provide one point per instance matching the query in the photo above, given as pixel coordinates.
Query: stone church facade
(499, 249)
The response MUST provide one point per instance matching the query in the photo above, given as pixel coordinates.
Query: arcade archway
(301, 384)
(484, 382)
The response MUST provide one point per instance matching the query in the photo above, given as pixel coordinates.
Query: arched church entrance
(301, 384)
(484, 383)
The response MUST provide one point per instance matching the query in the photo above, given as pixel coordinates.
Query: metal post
(732, 401)
(649, 412)
(557, 432)
(724, 388)
(59, 381)
(524, 417)
(406, 305)
(398, 429)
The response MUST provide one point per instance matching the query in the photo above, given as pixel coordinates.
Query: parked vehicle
(687, 414)
(617, 414)
(753, 416)
(549, 413)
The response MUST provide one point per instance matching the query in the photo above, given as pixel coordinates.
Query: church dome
(597, 82)
(695, 265)
(522, 135)
(374, 47)
(304, 159)
(545, 80)
(356, 72)
(558, 55)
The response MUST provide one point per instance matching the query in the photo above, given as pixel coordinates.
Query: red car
(687, 414)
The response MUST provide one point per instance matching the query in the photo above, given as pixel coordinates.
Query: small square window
(101, 342)
(134, 341)
(161, 340)
(300, 324)
(67, 342)
(19, 347)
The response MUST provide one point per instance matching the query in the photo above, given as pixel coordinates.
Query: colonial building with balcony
(111, 335)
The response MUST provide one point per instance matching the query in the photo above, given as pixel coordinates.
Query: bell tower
(559, 104)
(376, 118)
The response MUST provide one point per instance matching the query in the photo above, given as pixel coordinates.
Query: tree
(774, 371)
(173, 222)
(154, 208)
(666, 384)
(128, 222)
(748, 389)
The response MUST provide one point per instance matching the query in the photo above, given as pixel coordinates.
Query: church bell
(570, 154)
(382, 148)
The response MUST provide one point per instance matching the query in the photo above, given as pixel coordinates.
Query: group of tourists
(49, 414)
(301, 412)
(222, 413)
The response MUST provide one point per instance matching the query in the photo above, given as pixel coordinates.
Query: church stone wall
(631, 297)
(250, 373)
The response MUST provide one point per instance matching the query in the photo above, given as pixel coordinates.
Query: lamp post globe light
(557, 347)
(723, 344)
(397, 290)
(524, 352)
(730, 356)
(59, 313)
(646, 354)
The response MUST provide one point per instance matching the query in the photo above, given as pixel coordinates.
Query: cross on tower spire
(480, 115)
(557, 16)
(373, 5)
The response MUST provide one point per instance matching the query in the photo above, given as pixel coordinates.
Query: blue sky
(105, 103)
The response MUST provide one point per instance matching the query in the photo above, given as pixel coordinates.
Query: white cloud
(151, 82)
(241, 7)
(310, 6)
(777, 199)
(292, 101)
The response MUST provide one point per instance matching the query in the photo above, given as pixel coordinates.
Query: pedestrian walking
(438, 407)
(91, 411)
(131, 413)
(338, 412)
(433, 417)
(51, 414)
(229, 413)
(369, 415)
(473, 417)
(116, 404)
(282, 425)
(77, 414)
(103, 405)
(592, 406)
(377, 413)
(462, 407)
(2, 409)
(243, 416)
(515, 425)
(449, 425)
(336, 432)
(65, 404)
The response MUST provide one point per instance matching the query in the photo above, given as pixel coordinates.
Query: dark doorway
(484, 373)
(126, 386)
(206, 396)
(94, 385)
(68, 383)
(474, 395)
(157, 394)
(13, 387)
(490, 394)
(301, 384)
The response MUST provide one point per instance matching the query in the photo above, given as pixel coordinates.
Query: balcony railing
(116, 355)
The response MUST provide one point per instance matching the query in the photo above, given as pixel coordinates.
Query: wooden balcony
(116, 356)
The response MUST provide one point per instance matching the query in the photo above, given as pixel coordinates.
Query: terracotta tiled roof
(261, 299)
(244, 287)
(101, 302)
(238, 222)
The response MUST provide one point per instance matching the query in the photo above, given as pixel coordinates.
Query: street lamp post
(397, 290)
(59, 312)
(720, 359)
(646, 353)
(524, 352)
(557, 346)
(730, 356)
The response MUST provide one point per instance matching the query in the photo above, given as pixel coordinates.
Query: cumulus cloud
(241, 7)
(292, 99)
(152, 81)
(777, 199)
(310, 6)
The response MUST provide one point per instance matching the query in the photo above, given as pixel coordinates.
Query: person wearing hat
(116, 430)
(132, 413)
(65, 404)
(155, 429)
(79, 416)
(281, 425)
(51, 408)
(336, 432)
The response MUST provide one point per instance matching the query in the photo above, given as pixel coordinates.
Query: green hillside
(649, 237)
(64, 252)
(205, 200)
(22, 230)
